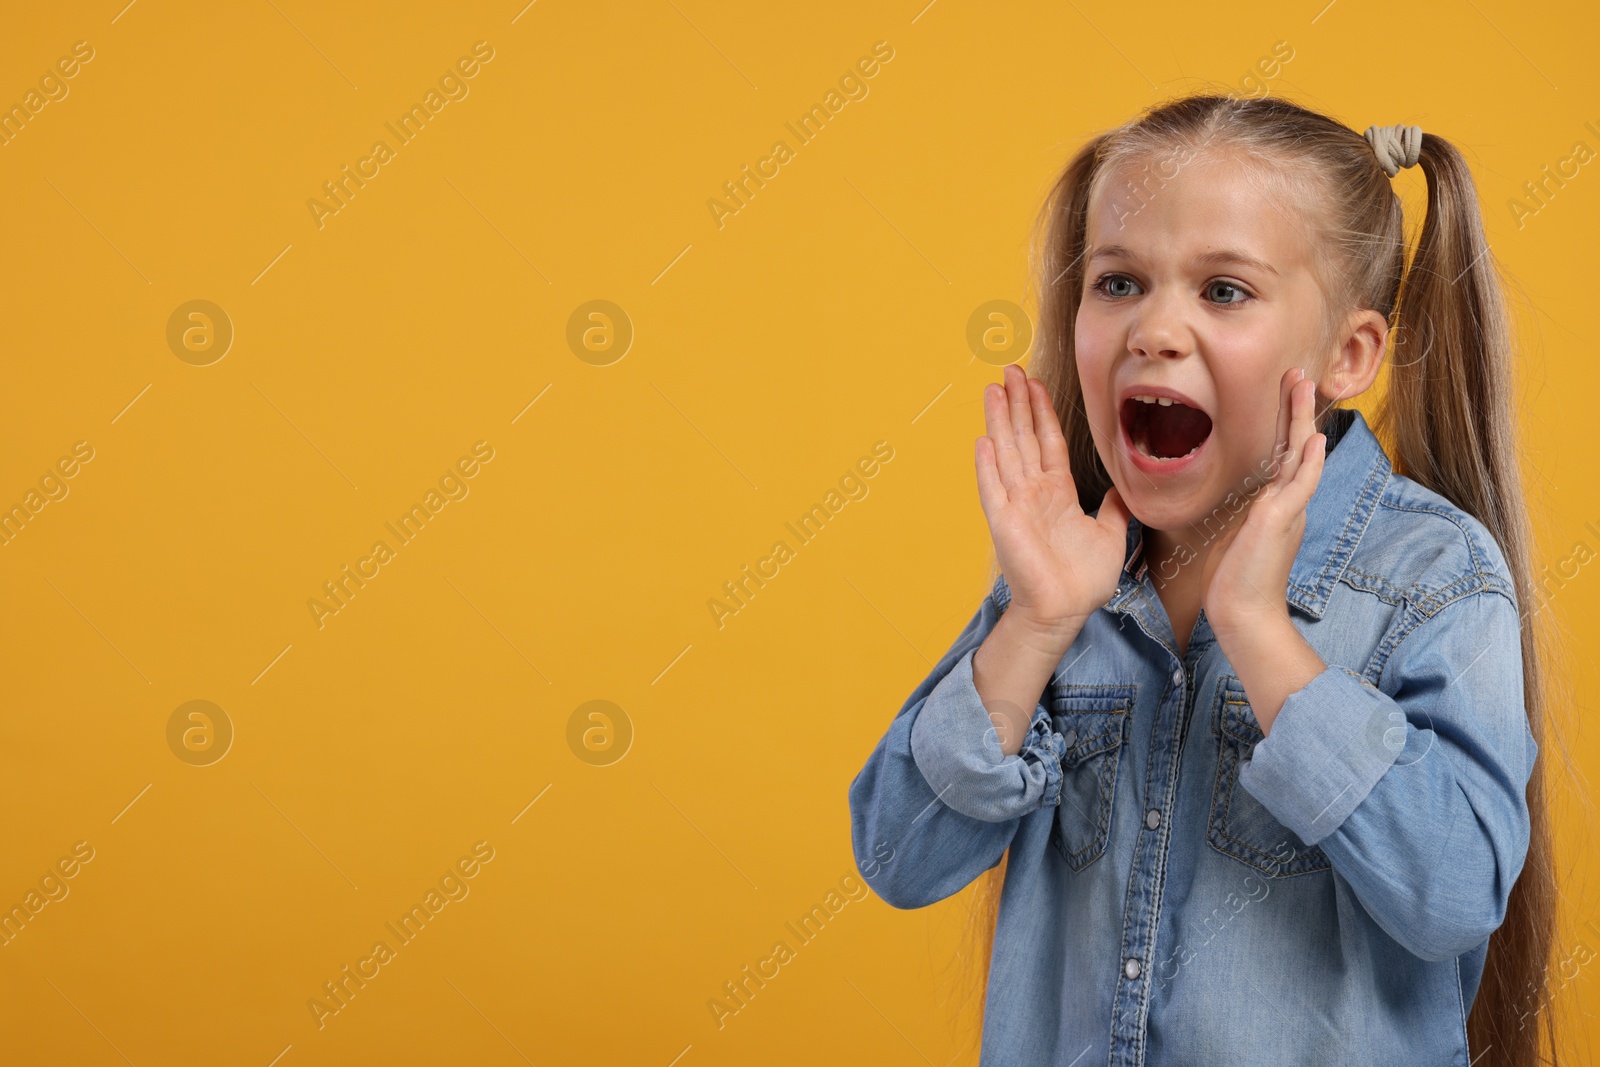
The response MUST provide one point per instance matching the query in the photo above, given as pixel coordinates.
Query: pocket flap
(1093, 718)
(1238, 719)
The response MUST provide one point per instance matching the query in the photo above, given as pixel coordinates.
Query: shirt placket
(1146, 880)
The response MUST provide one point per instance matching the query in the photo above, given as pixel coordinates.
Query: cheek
(1094, 344)
(1091, 342)
(1254, 354)
(1245, 375)
(1089, 327)
(1245, 430)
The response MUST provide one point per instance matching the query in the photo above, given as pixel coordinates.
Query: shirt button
(1152, 818)
(1131, 969)
(1071, 738)
(1177, 677)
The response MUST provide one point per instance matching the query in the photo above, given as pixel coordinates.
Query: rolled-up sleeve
(936, 805)
(1415, 791)
(958, 751)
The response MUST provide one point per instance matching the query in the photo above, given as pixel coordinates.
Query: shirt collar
(1353, 478)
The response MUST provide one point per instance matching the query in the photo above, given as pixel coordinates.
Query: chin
(1159, 514)
(1161, 508)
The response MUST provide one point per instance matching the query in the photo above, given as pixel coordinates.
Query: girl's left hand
(1245, 578)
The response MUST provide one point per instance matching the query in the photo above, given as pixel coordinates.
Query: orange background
(435, 710)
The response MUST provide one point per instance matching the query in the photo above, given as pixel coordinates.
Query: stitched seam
(1466, 585)
(1294, 866)
(1113, 691)
(1417, 624)
(1449, 516)
(1164, 856)
(1107, 788)
(1344, 547)
(1245, 739)
(1404, 622)
(1128, 899)
(1381, 587)
(1358, 677)
(1125, 693)
(1228, 770)
(1103, 828)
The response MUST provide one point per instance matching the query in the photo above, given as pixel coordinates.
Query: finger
(1280, 439)
(1296, 488)
(1053, 454)
(1017, 390)
(1301, 423)
(1297, 495)
(1001, 439)
(991, 494)
(1290, 461)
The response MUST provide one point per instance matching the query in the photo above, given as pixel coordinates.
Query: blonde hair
(1448, 413)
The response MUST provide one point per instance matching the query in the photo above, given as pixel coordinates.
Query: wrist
(1239, 629)
(1272, 660)
(1011, 670)
(1047, 638)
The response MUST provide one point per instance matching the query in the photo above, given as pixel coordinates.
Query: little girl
(1248, 723)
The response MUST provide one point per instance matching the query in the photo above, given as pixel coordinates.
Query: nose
(1160, 327)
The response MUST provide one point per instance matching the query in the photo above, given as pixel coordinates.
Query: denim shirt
(1182, 889)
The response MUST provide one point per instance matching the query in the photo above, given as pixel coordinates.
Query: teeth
(1164, 401)
(1165, 459)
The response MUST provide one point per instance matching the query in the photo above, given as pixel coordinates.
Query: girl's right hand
(1060, 562)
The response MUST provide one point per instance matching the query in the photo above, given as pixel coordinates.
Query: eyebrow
(1219, 256)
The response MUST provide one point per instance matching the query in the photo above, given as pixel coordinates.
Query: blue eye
(1103, 286)
(1229, 285)
(1105, 281)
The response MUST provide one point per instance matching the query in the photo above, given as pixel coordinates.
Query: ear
(1354, 364)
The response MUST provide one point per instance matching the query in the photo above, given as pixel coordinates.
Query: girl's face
(1174, 308)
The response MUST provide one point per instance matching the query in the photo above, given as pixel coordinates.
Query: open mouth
(1163, 428)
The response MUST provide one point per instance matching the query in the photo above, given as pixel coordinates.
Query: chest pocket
(1241, 826)
(1094, 722)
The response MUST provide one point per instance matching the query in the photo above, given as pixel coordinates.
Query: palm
(1226, 560)
(1060, 562)
(1056, 557)
(1245, 575)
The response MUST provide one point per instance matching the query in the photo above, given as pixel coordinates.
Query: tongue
(1175, 429)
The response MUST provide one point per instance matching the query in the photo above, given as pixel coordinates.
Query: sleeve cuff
(1330, 744)
(957, 749)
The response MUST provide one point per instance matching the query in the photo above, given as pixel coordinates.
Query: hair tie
(1395, 146)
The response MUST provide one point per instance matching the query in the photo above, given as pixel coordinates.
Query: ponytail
(1450, 414)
